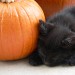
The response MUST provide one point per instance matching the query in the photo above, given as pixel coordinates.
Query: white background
(22, 67)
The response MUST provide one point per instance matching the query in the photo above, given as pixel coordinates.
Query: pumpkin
(50, 7)
(19, 23)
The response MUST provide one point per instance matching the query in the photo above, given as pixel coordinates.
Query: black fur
(56, 44)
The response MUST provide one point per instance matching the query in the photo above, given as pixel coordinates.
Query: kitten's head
(55, 42)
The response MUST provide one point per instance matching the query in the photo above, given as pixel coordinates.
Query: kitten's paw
(35, 59)
(72, 61)
(35, 63)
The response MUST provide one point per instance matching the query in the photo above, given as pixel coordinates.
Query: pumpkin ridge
(1, 30)
(9, 7)
(26, 26)
(21, 31)
(36, 5)
(33, 10)
(33, 13)
(31, 31)
(31, 28)
(7, 50)
(29, 19)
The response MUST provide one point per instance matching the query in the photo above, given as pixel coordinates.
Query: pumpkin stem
(10, 1)
(7, 1)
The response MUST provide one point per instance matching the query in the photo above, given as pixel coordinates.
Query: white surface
(22, 67)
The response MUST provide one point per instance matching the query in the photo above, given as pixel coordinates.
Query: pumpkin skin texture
(19, 23)
(50, 7)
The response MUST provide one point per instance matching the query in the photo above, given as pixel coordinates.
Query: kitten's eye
(66, 43)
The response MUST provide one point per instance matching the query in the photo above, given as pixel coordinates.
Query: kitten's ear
(45, 27)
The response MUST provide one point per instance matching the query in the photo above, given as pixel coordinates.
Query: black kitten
(56, 44)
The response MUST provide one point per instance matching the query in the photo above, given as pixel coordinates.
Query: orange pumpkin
(52, 6)
(19, 22)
